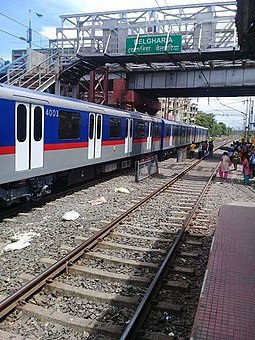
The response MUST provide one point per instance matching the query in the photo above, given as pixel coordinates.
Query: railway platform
(226, 308)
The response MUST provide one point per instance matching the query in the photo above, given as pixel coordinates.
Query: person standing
(235, 159)
(246, 171)
(200, 150)
(252, 164)
(224, 165)
(210, 148)
(204, 148)
(192, 150)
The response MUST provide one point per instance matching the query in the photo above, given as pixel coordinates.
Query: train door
(29, 136)
(129, 135)
(149, 138)
(95, 136)
(170, 135)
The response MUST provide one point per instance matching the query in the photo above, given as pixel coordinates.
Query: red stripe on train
(113, 142)
(140, 140)
(7, 150)
(64, 146)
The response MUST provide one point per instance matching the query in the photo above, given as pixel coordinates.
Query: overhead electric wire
(21, 24)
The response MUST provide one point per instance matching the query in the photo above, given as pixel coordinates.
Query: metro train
(47, 139)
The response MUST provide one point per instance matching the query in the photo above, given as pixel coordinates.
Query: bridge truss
(204, 28)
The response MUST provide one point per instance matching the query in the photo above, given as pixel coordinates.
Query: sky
(14, 19)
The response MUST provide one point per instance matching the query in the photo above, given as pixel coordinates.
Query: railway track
(124, 254)
(133, 277)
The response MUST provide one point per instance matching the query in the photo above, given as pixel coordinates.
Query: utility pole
(246, 121)
(29, 31)
(251, 118)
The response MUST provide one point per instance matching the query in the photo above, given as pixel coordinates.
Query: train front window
(21, 123)
(38, 124)
(69, 125)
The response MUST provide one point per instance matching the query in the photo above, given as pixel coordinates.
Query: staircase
(52, 67)
(38, 77)
(24, 73)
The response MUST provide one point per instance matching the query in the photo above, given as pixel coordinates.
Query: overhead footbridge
(214, 55)
(182, 50)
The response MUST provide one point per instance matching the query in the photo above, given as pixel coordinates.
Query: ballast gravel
(54, 232)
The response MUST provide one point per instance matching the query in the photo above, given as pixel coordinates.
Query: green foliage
(215, 129)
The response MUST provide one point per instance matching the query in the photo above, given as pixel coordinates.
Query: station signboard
(154, 44)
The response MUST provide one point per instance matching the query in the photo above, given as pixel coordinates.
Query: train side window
(91, 126)
(156, 130)
(115, 128)
(175, 131)
(126, 134)
(37, 123)
(99, 123)
(131, 128)
(69, 125)
(140, 129)
(168, 131)
(21, 123)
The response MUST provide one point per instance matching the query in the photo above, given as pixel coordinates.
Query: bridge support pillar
(57, 87)
(92, 86)
(106, 79)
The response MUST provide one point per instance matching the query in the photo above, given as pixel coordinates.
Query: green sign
(154, 44)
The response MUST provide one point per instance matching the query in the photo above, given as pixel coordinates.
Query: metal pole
(29, 29)
(252, 117)
(245, 119)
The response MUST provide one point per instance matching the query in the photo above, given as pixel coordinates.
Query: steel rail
(10, 302)
(145, 304)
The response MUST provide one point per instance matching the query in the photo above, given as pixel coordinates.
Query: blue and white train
(46, 139)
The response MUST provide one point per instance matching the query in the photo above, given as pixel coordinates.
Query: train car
(201, 134)
(176, 134)
(46, 139)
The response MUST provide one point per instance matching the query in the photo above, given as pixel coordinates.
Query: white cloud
(49, 32)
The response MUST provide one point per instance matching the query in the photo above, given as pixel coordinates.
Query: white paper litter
(24, 236)
(70, 216)
(17, 245)
(100, 200)
(124, 190)
(22, 240)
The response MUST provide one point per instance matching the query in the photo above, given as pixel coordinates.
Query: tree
(215, 129)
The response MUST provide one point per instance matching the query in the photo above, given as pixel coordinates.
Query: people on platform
(192, 150)
(200, 150)
(225, 163)
(246, 170)
(210, 148)
(204, 148)
(252, 164)
(235, 159)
